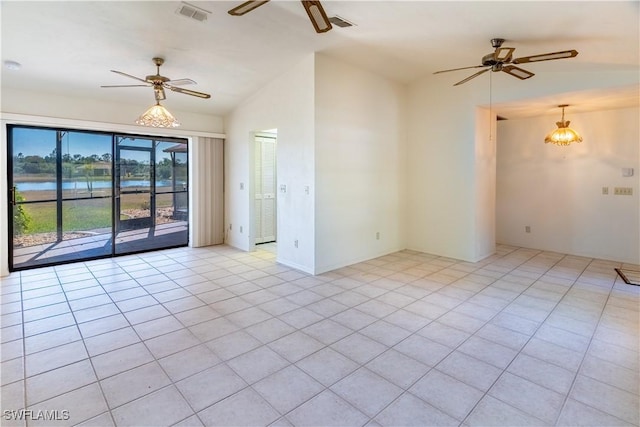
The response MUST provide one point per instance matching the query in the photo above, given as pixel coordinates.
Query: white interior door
(265, 188)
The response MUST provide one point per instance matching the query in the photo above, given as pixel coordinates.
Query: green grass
(76, 216)
(86, 214)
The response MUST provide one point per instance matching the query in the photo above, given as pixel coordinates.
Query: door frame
(269, 133)
(133, 223)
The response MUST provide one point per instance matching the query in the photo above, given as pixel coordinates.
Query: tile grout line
(87, 350)
(486, 393)
(324, 317)
(172, 384)
(407, 390)
(584, 356)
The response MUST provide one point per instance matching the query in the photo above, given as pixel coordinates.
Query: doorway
(150, 194)
(265, 182)
(135, 204)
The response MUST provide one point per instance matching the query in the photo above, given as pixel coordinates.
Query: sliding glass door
(78, 195)
(151, 194)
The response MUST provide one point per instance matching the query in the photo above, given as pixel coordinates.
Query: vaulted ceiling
(69, 47)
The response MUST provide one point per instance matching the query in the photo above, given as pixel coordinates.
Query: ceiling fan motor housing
(490, 59)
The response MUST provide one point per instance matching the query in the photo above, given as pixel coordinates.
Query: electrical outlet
(605, 190)
(240, 229)
(295, 243)
(527, 229)
(377, 235)
(623, 191)
(230, 227)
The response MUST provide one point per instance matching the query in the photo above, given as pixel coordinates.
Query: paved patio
(99, 243)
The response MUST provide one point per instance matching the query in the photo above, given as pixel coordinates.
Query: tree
(88, 174)
(21, 219)
(163, 169)
(34, 164)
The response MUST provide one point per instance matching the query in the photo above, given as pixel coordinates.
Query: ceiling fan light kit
(502, 59)
(158, 117)
(563, 135)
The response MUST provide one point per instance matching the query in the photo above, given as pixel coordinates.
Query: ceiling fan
(160, 83)
(502, 58)
(313, 7)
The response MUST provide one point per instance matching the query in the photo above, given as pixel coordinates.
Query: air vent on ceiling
(193, 12)
(340, 22)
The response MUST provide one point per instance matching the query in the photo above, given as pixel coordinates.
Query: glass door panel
(171, 182)
(33, 191)
(87, 183)
(134, 183)
(151, 188)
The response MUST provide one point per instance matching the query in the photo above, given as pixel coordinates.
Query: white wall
(485, 183)
(449, 166)
(557, 191)
(441, 200)
(285, 104)
(359, 145)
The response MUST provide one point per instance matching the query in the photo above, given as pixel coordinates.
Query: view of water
(82, 185)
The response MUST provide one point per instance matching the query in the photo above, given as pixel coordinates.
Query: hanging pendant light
(159, 117)
(564, 135)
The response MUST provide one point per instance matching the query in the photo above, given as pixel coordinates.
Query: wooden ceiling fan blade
(247, 7)
(317, 15)
(472, 77)
(189, 92)
(546, 57)
(130, 76)
(181, 82)
(503, 54)
(463, 68)
(517, 72)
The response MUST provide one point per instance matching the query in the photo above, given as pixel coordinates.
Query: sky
(42, 142)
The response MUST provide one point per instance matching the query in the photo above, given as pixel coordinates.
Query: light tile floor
(215, 336)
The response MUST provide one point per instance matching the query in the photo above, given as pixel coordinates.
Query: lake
(82, 185)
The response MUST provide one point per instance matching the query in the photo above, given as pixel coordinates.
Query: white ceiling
(69, 47)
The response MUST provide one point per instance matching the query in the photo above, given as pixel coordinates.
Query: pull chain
(490, 105)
